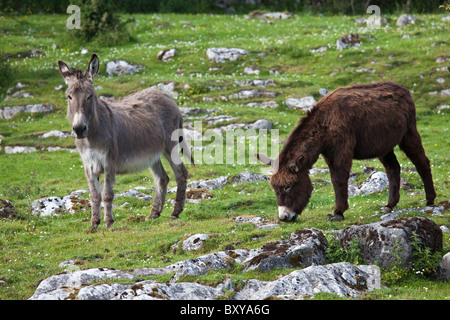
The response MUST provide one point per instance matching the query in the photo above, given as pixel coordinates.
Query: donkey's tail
(185, 148)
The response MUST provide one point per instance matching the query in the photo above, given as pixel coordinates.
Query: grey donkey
(125, 135)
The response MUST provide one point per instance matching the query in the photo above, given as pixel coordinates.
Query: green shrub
(337, 253)
(426, 262)
(6, 74)
(100, 23)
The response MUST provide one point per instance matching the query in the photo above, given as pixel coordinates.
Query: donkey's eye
(89, 98)
(287, 189)
(69, 97)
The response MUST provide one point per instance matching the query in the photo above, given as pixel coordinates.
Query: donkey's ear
(92, 70)
(264, 159)
(64, 70)
(295, 165)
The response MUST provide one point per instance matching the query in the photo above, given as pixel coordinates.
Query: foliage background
(205, 6)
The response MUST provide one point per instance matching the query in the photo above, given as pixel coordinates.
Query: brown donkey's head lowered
(292, 186)
(81, 96)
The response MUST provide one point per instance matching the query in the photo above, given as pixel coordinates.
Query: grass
(31, 248)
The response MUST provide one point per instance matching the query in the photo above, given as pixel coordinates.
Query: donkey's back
(373, 118)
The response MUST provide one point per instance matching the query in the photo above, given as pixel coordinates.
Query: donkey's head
(81, 96)
(292, 186)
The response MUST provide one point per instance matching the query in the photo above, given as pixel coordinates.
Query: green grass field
(31, 247)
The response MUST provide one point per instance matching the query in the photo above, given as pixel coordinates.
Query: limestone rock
(194, 242)
(252, 93)
(255, 83)
(443, 273)
(270, 15)
(375, 183)
(212, 261)
(217, 183)
(165, 55)
(405, 19)
(349, 40)
(262, 124)
(263, 104)
(305, 103)
(259, 222)
(249, 70)
(61, 286)
(168, 88)
(7, 209)
(343, 279)
(223, 54)
(19, 149)
(198, 194)
(9, 112)
(55, 205)
(56, 133)
(134, 193)
(150, 290)
(303, 248)
(377, 244)
(121, 67)
(247, 176)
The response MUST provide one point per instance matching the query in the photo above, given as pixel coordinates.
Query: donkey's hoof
(174, 217)
(152, 216)
(95, 223)
(109, 223)
(387, 209)
(335, 217)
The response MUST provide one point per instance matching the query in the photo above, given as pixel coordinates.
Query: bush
(99, 22)
(6, 74)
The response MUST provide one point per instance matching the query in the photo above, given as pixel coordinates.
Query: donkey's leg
(392, 168)
(412, 146)
(161, 181)
(108, 195)
(96, 198)
(340, 172)
(181, 175)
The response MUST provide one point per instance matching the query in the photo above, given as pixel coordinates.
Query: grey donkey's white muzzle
(80, 125)
(284, 214)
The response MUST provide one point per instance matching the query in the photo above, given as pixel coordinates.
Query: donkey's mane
(80, 75)
(303, 132)
(82, 80)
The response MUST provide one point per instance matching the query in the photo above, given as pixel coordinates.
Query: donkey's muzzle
(81, 131)
(286, 215)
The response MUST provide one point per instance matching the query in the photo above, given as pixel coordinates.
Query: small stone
(262, 124)
(349, 40)
(223, 54)
(165, 55)
(249, 70)
(194, 242)
(7, 209)
(121, 67)
(405, 19)
(323, 92)
(19, 149)
(305, 103)
(9, 112)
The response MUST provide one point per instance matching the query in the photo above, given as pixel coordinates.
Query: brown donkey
(123, 136)
(359, 122)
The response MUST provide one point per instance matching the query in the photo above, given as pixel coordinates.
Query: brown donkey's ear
(64, 70)
(264, 159)
(92, 70)
(295, 165)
